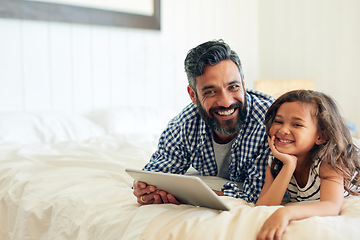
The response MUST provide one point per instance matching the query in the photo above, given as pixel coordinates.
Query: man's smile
(226, 113)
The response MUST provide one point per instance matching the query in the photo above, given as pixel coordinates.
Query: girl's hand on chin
(286, 159)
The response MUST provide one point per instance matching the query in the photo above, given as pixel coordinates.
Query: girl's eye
(297, 125)
(278, 121)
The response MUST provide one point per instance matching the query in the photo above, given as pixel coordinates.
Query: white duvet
(79, 190)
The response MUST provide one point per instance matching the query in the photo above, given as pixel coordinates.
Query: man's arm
(256, 174)
(169, 157)
(254, 171)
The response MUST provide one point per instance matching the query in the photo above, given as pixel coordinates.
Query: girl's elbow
(335, 208)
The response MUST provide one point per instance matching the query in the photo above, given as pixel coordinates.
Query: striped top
(311, 191)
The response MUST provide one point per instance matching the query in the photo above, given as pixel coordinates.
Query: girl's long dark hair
(339, 151)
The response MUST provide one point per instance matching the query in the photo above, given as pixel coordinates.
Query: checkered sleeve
(256, 173)
(173, 152)
(171, 155)
(254, 181)
(252, 154)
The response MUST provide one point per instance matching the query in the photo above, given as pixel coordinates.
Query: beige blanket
(79, 190)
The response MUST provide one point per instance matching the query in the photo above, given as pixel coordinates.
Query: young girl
(314, 158)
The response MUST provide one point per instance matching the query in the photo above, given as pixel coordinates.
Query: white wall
(314, 39)
(78, 68)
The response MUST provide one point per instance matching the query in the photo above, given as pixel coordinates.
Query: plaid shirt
(187, 141)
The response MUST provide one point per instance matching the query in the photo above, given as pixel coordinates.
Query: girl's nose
(284, 130)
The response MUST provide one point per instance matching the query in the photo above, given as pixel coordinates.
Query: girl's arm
(273, 190)
(330, 204)
(331, 197)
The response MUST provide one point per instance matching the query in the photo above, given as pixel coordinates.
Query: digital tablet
(187, 189)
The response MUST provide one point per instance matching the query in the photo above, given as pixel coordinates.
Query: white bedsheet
(79, 190)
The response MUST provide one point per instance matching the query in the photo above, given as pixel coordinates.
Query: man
(221, 133)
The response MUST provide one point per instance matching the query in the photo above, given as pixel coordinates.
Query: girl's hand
(287, 159)
(275, 226)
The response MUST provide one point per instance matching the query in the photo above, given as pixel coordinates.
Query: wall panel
(11, 66)
(100, 66)
(79, 68)
(60, 67)
(36, 66)
(118, 67)
(313, 39)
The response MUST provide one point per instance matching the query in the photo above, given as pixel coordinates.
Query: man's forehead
(222, 73)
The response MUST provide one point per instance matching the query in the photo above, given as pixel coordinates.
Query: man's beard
(229, 127)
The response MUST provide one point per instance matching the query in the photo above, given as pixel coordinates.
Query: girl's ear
(321, 140)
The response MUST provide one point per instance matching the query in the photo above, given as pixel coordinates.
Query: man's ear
(192, 94)
(244, 81)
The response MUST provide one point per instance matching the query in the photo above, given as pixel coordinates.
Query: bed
(62, 177)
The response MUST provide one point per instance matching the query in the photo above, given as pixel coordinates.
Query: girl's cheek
(271, 131)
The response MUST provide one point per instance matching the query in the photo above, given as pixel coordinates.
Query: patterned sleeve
(255, 178)
(255, 182)
(255, 166)
(171, 154)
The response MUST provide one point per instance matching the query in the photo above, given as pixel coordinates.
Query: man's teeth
(226, 113)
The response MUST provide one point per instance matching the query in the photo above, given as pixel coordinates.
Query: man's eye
(209, 93)
(234, 87)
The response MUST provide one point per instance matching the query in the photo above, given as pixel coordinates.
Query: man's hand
(219, 193)
(148, 194)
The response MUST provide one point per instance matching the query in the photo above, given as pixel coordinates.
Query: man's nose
(225, 99)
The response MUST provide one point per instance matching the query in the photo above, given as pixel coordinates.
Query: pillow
(130, 120)
(26, 128)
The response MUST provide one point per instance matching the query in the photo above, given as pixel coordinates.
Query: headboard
(276, 87)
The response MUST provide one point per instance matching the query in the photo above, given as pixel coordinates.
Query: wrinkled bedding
(78, 189)
(69, 190)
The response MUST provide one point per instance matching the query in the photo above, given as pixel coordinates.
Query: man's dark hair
(211, 52)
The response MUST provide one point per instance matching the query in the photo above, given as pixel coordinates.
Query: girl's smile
(295, 128)
(283, 141)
